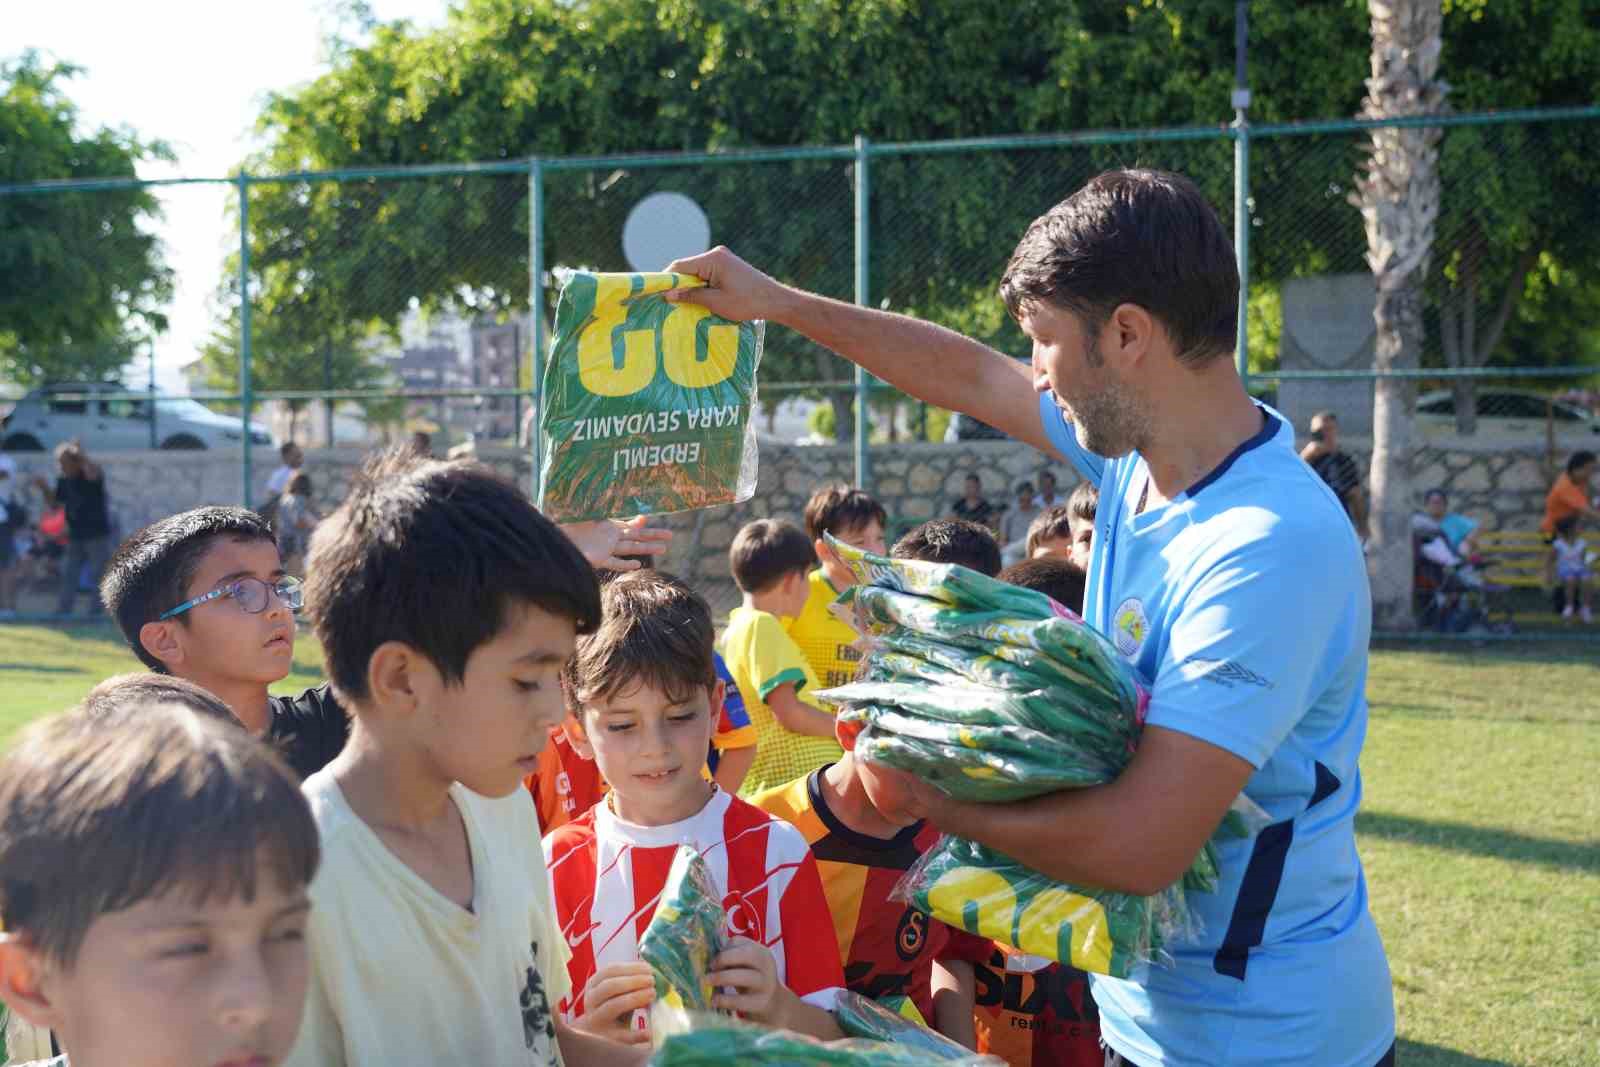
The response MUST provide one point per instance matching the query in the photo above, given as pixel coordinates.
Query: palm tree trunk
(1398, 195)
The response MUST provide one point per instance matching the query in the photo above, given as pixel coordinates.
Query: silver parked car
(97, 414)
(1505, 413)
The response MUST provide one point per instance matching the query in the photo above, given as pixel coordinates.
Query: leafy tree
(503, 80)
(82, 278)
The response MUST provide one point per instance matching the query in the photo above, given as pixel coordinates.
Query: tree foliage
(82, 278)
(509, 79)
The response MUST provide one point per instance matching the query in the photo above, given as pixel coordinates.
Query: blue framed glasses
(250, 594)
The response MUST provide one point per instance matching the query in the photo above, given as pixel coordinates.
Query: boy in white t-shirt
(446, 606)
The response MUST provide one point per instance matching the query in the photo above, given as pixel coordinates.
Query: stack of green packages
(722, 1042)
(647, 402)
(685, 934)
(994, 693)
(860, 1017)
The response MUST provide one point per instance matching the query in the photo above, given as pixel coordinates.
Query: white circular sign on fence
(663, 227)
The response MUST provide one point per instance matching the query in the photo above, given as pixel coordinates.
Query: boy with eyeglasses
(203, 595)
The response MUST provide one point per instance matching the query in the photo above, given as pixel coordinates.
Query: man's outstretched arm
(919, 358)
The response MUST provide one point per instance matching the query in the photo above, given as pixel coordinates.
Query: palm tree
(1398, 195)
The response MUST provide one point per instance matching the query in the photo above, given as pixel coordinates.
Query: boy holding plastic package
(770, 561)
(432, 939)
(645, 687)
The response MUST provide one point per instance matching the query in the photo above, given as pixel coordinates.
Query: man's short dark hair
(1059, 579)
(1140, 237)
(129, 694)
(1052, 524)
(151, 570)
(1431, 493)
(437, 555)
(1578, 460)
(285, 449)
(836, 508)
(654, 630)
(96, 817)
(951, 541)
(1084, 501)
(1024, 487)
(767, 551)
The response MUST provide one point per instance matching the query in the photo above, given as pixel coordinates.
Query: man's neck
(848, 801)
(1204, 417)
(838, 575)
(389, 784)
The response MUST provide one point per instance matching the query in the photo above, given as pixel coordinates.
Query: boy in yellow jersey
(769, 561)
(855, 518)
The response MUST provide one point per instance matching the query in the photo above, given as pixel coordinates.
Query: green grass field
(1480, 831)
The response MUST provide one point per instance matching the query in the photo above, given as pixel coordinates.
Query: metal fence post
(536, 313)
(863, 282)
(244, 324)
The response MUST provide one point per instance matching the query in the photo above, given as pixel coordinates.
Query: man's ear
(164, 641)
(719, 698)
(397, 675)
(1131, 332)
(572, 726)
(25, 981)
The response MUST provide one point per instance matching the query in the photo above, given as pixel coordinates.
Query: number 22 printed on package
(647, 402)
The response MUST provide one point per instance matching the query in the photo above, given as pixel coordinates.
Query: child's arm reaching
(579, 1049)
(795, 715)
(746, 975)
(954, 992)
(610, 998)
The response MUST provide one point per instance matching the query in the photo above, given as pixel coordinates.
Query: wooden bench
(1515, 558)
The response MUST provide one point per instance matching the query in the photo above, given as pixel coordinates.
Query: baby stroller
(1451, 593)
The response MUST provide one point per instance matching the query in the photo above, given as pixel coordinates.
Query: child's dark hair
(437, 555)
(299, 485)
(654, 630)
(1579, 460)
(129, 694)
(151, 571)
(836, 508)
(96, 817)
(1056, 578)
(951, 541)
(766, 551)
(1052, 524)
(1566, 527)
(1084, 502)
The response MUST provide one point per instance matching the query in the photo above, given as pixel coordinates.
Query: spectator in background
(1015, 522)
(13, 521)
(81, 492)
(296, 519)
(422, 443)
(279, 479)
(1336, 468)
(1047, 490)
(1569, 497)
(1572, 567)
(1437, 520)
(972, 506)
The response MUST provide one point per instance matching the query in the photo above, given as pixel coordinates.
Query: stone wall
(1501, 485)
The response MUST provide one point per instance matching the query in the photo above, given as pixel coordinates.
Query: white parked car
(96, 414)
(1508, 413)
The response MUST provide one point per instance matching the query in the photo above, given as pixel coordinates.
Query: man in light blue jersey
(1222, 568)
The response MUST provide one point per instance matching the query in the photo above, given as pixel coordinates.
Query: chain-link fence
(346, 308)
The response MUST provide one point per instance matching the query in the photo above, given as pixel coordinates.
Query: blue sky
(192, 73)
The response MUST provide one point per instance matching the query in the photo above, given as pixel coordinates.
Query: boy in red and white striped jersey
(644, 688)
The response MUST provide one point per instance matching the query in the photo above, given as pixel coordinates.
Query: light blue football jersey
(1245, 604)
